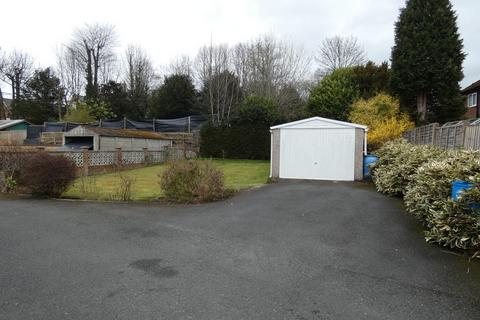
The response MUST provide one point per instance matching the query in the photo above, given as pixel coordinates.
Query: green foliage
(79, 113)
(47, 175)
(248, 137)
(383, 117)
(334, 95)
(398, 163)
(10, 184)
(176, 97)
(100, 110)
(257, 110)
(432, 183)
(427, 59)
(193, 181)
(454, 224)
(372, 79)
(42, 98)
(238, 141)
(115, 96)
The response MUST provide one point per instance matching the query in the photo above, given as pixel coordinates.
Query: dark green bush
(246, 141)
(193, 181)
(47, 175)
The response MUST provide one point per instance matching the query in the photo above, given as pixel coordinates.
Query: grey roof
(472, 88)
(9, 123)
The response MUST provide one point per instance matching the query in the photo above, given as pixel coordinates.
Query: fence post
(118, 161)
(124, 122)
(434, 132)
(85, 160)
(189, 124)
(145, 157)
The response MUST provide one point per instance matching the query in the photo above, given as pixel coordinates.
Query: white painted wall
(322, 153)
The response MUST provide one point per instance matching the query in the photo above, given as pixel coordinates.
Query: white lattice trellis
(76, 157)
(101, 158)
(132, 157)
(157, 156)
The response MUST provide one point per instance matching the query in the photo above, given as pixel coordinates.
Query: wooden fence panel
(422, 135)
(450, 137)
(472, 137)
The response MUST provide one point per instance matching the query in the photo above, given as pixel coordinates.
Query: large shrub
(383, 117)
(398, 163)
(333, 96)
(193, 181)
(47, 175)
(248, 141)
(431, 185)
(424, 174)
(455, 224)
(247, 137)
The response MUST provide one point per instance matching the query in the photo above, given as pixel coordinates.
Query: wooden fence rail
(450, 136)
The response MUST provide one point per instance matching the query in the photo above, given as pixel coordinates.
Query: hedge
(424, 175)
(246, 141)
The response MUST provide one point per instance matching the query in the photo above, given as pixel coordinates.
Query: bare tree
(265, 67)
(93, 48)
(180, 65)
(272, 68)
(221, 87)
(16, 70)
(139, 76)
(71, 73)
(339, 52)
(3, 111)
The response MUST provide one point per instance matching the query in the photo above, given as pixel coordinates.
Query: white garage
(318, 149)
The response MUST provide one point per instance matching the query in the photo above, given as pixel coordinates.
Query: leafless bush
(124, 189)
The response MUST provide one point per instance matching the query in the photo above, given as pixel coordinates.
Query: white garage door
(322, 154)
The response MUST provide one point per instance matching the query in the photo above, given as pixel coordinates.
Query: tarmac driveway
(299, 250)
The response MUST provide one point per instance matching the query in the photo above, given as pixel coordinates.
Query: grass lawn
(239, 174)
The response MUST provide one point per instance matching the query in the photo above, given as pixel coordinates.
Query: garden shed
(318, 149)
(105, 139)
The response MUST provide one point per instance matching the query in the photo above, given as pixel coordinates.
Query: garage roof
(318, 122)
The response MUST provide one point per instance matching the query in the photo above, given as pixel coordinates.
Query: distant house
(105, 139)
(472, 97)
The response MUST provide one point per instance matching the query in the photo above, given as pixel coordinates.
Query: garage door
(321, 154)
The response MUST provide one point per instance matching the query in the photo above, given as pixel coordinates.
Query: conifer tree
(427, 61)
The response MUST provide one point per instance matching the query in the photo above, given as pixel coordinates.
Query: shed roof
(319, 122)
(126, 133)
(10, 123)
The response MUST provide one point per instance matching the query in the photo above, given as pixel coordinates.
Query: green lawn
(239, 174)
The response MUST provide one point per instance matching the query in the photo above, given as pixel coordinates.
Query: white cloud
(169, 28)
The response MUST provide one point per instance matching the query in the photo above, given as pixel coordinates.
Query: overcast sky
(170, 28)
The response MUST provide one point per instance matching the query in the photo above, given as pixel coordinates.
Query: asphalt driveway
(286, 251)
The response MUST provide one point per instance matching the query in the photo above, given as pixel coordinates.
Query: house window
(472, 100)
